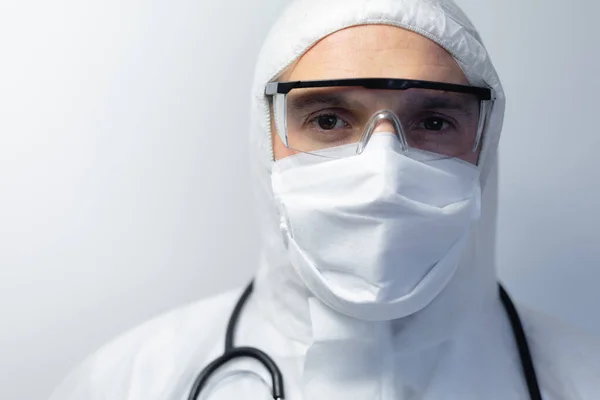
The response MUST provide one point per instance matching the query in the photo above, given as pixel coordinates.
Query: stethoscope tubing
(231, 352)
(240, 352)
(522, 346)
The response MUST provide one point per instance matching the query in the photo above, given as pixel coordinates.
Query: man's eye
(329, 122)
(434, 124)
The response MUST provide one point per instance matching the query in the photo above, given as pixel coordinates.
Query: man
(376, 176)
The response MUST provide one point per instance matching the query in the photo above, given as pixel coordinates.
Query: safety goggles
(431, 119)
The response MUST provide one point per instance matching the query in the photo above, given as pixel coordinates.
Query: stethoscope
(232, 352)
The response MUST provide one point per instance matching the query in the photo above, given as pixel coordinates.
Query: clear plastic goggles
(439, 120)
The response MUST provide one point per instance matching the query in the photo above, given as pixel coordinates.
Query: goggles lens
(441, 123)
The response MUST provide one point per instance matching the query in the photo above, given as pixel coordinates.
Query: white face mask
(376, 236)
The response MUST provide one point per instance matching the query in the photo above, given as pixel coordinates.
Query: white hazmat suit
(459, 345)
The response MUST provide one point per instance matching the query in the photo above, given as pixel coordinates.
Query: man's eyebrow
(305, 101)
(464, 104)
(310, 100)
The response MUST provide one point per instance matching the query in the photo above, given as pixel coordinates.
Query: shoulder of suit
(567, 359)
(151, 346)
(199, 317)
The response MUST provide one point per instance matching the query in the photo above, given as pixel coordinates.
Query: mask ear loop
(372, 124)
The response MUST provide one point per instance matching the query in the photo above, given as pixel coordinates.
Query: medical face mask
(376, 236)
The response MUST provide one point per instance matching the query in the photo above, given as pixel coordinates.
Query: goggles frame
(484, 95)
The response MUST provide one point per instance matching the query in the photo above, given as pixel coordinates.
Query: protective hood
(279, 291)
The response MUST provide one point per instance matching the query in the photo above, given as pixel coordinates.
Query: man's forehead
(376, 51)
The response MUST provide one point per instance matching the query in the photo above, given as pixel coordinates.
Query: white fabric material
(349, 351)
(459, 346)
(159, 360)
(376, 236)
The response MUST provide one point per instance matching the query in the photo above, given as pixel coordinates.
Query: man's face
(373, 51)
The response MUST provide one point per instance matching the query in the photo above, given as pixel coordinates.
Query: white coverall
(460, 346)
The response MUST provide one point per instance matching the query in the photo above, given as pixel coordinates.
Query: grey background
(123, 178)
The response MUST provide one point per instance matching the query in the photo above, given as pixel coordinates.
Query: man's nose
(385, 125)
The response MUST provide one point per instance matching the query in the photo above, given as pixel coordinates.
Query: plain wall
(124, 184)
